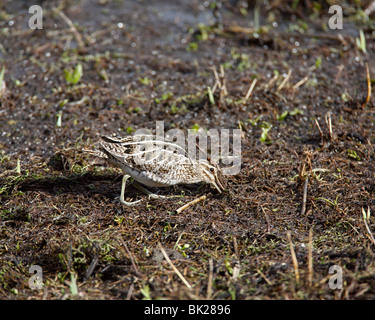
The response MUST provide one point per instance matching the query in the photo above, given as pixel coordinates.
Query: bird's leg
(144, 190)
(150, 194)
(124, 179)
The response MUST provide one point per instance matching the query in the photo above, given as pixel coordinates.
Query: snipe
(156, 162)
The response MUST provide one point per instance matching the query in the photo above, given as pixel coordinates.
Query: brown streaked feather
(154, 161)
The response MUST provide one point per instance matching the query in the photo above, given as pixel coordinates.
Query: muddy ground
(307, 150)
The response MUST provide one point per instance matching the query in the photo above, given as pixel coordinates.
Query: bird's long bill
(219, 184)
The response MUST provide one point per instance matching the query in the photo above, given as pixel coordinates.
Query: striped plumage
(157, 162)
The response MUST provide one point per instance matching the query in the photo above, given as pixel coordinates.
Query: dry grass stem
(370, 8)
(303, 210)
(328, 120)
(77, 35)
(236, 270)
(366, 217)
(320, 130)
(264, 277)
(210, 277)
(301, 82)
(368, 86)
(250, 91)
(273, 79)
(187, 284)
(191, 203)
(294, 257)
(267, 219)
(130, 257)
(340, 69)
(217, 79)
(224, 81)
(282, 84)
(309, 259)
(235, 248)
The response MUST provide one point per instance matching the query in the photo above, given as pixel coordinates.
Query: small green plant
(244, 62)
(332, 203)
(361, 42)
(164, 97)
(318, 62)
(59, 119)
(344, 97)
(266, 127)
(253, 122)
(192, 47)
(18, 168)
(295, 112)
(72, 76)
(229, 267)
(183, 248)
(73, 284)
(146, 292)
(167, 96)
(366, 215)
(210, 95)
(129, 130)
(282, 116)
(195, 127)
(2, 83)
(352, 154)
(146, 81)
(203, 32)
(299, 26)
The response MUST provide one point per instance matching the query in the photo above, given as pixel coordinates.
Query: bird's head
(212, 174)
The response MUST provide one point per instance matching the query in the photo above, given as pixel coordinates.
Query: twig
(250, 91)
(130, 292)
(366, 216)
(273, 79)
(341, 68)
(301, 82)
(237, 266)
(370, 9)
(189, 204)
(240, 29)
(329, 124)
(304, 195)
(320, 130)
(368, 86)
(235, 248)
(218, 82)
(210, 276)
(91, 267)
(236, 270)
(294, 258)
(130, 257)
(282, 84)
(241, 129)
(264, 277)
(178, 240)
(309, 259)
(267, 219)
(73, 28)
(173, 266)
(224, 82)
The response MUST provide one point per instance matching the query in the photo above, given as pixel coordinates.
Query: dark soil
(148, 61)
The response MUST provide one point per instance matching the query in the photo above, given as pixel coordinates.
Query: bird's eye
(212, 169)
